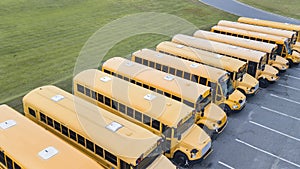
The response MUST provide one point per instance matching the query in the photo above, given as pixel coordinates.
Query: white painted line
(297, 68)
(226, 165)
(277, 112)
(293, 77)
(276, 131)
(292, 101)
(290, 87)
(266, 152)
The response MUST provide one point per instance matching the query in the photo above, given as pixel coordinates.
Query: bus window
(187, 75)
(195, 78)
(90, 145)
(203, 80)
(124, 165)
(137, 59)
(179, 73)
(165, 69)
(156, 124)
(252, 66)
(151, 64)
(99, 151)
(81, 140)
(145, 62)
(172, 71)
(2, 158)
(80, 88)
(9, 163)
(31, 112)
(158, 66)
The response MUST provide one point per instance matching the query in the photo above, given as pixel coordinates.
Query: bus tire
(226, 108)
(263, 83)
(291, 63)
(242, 91)
(181, 159)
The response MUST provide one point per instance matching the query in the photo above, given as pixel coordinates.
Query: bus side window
(99, 150)
(252, 38)
(151, 64)
(57, 126)
(156, 124)
(122, 108)
(130, 112)
(165, 69)
(145, 62)
(49, 121)
(100, 97)
(176, 98)
(187, 76)
(2, 157)
(64, 130)
(89, 145)
(124, 165)
(9, 163)
(195, 78)
(31, 112)
(72, 135)
(107, 101)
(114, 105)
(107, 71)
(88, 92)
(172, 71)
(80, 88)
(17, 166)
(43, 117)
(138, 60)
(81, 140)
(179, 73)
(158, 66)
(146, 119)
(203, 80)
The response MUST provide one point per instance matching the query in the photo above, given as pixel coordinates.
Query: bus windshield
(203, 102)
(226, 85)
(262, 63)
(146, 161)
(288, 47)
(241, 72)
(182, 128)
(273, 54)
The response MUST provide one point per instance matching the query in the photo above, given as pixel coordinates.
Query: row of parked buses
(165, 103)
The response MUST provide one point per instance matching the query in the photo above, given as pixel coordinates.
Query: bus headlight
(219, 122)
(235, 106)
(194, 153)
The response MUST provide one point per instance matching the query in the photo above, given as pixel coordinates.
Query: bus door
(252, 66)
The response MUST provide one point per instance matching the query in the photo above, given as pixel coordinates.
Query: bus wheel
(226, 108)
(263, 83)
(181, 159)
(291, 63)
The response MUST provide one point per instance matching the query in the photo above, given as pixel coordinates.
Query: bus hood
(270, 73)
(249, 81)
(236, 96)
(296, 47)
(197, 139)
(296, 56)
(162, 162)
(215, 116)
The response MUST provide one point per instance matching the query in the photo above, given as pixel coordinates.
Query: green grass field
(41, 39)
(290, 8)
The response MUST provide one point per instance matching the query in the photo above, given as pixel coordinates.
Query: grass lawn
(41, 39)
(290, 8)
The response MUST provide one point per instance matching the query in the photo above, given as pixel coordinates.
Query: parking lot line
(293, 77)
(268, 153)
(290, 87)
(276, 131)
(226, 165)
(292, 101)
(277, 112)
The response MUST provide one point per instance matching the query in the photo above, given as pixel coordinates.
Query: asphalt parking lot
(266, 133)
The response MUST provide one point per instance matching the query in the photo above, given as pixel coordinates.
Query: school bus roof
(177, 86)
(242, 42)
(92, 122)
(201, 56)
(218, 47)
(261, 29)
(285, 26)
(166, 110)
(277, 39)
(23, 140)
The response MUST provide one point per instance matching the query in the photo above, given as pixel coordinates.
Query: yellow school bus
(272, 24)
(103, 136)
(267, 30)
(185, 142)
(284, 49)
(274, 60)
(256, 60)
(223, 93)
(241, 80)
(25, 145)
(209, 115)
